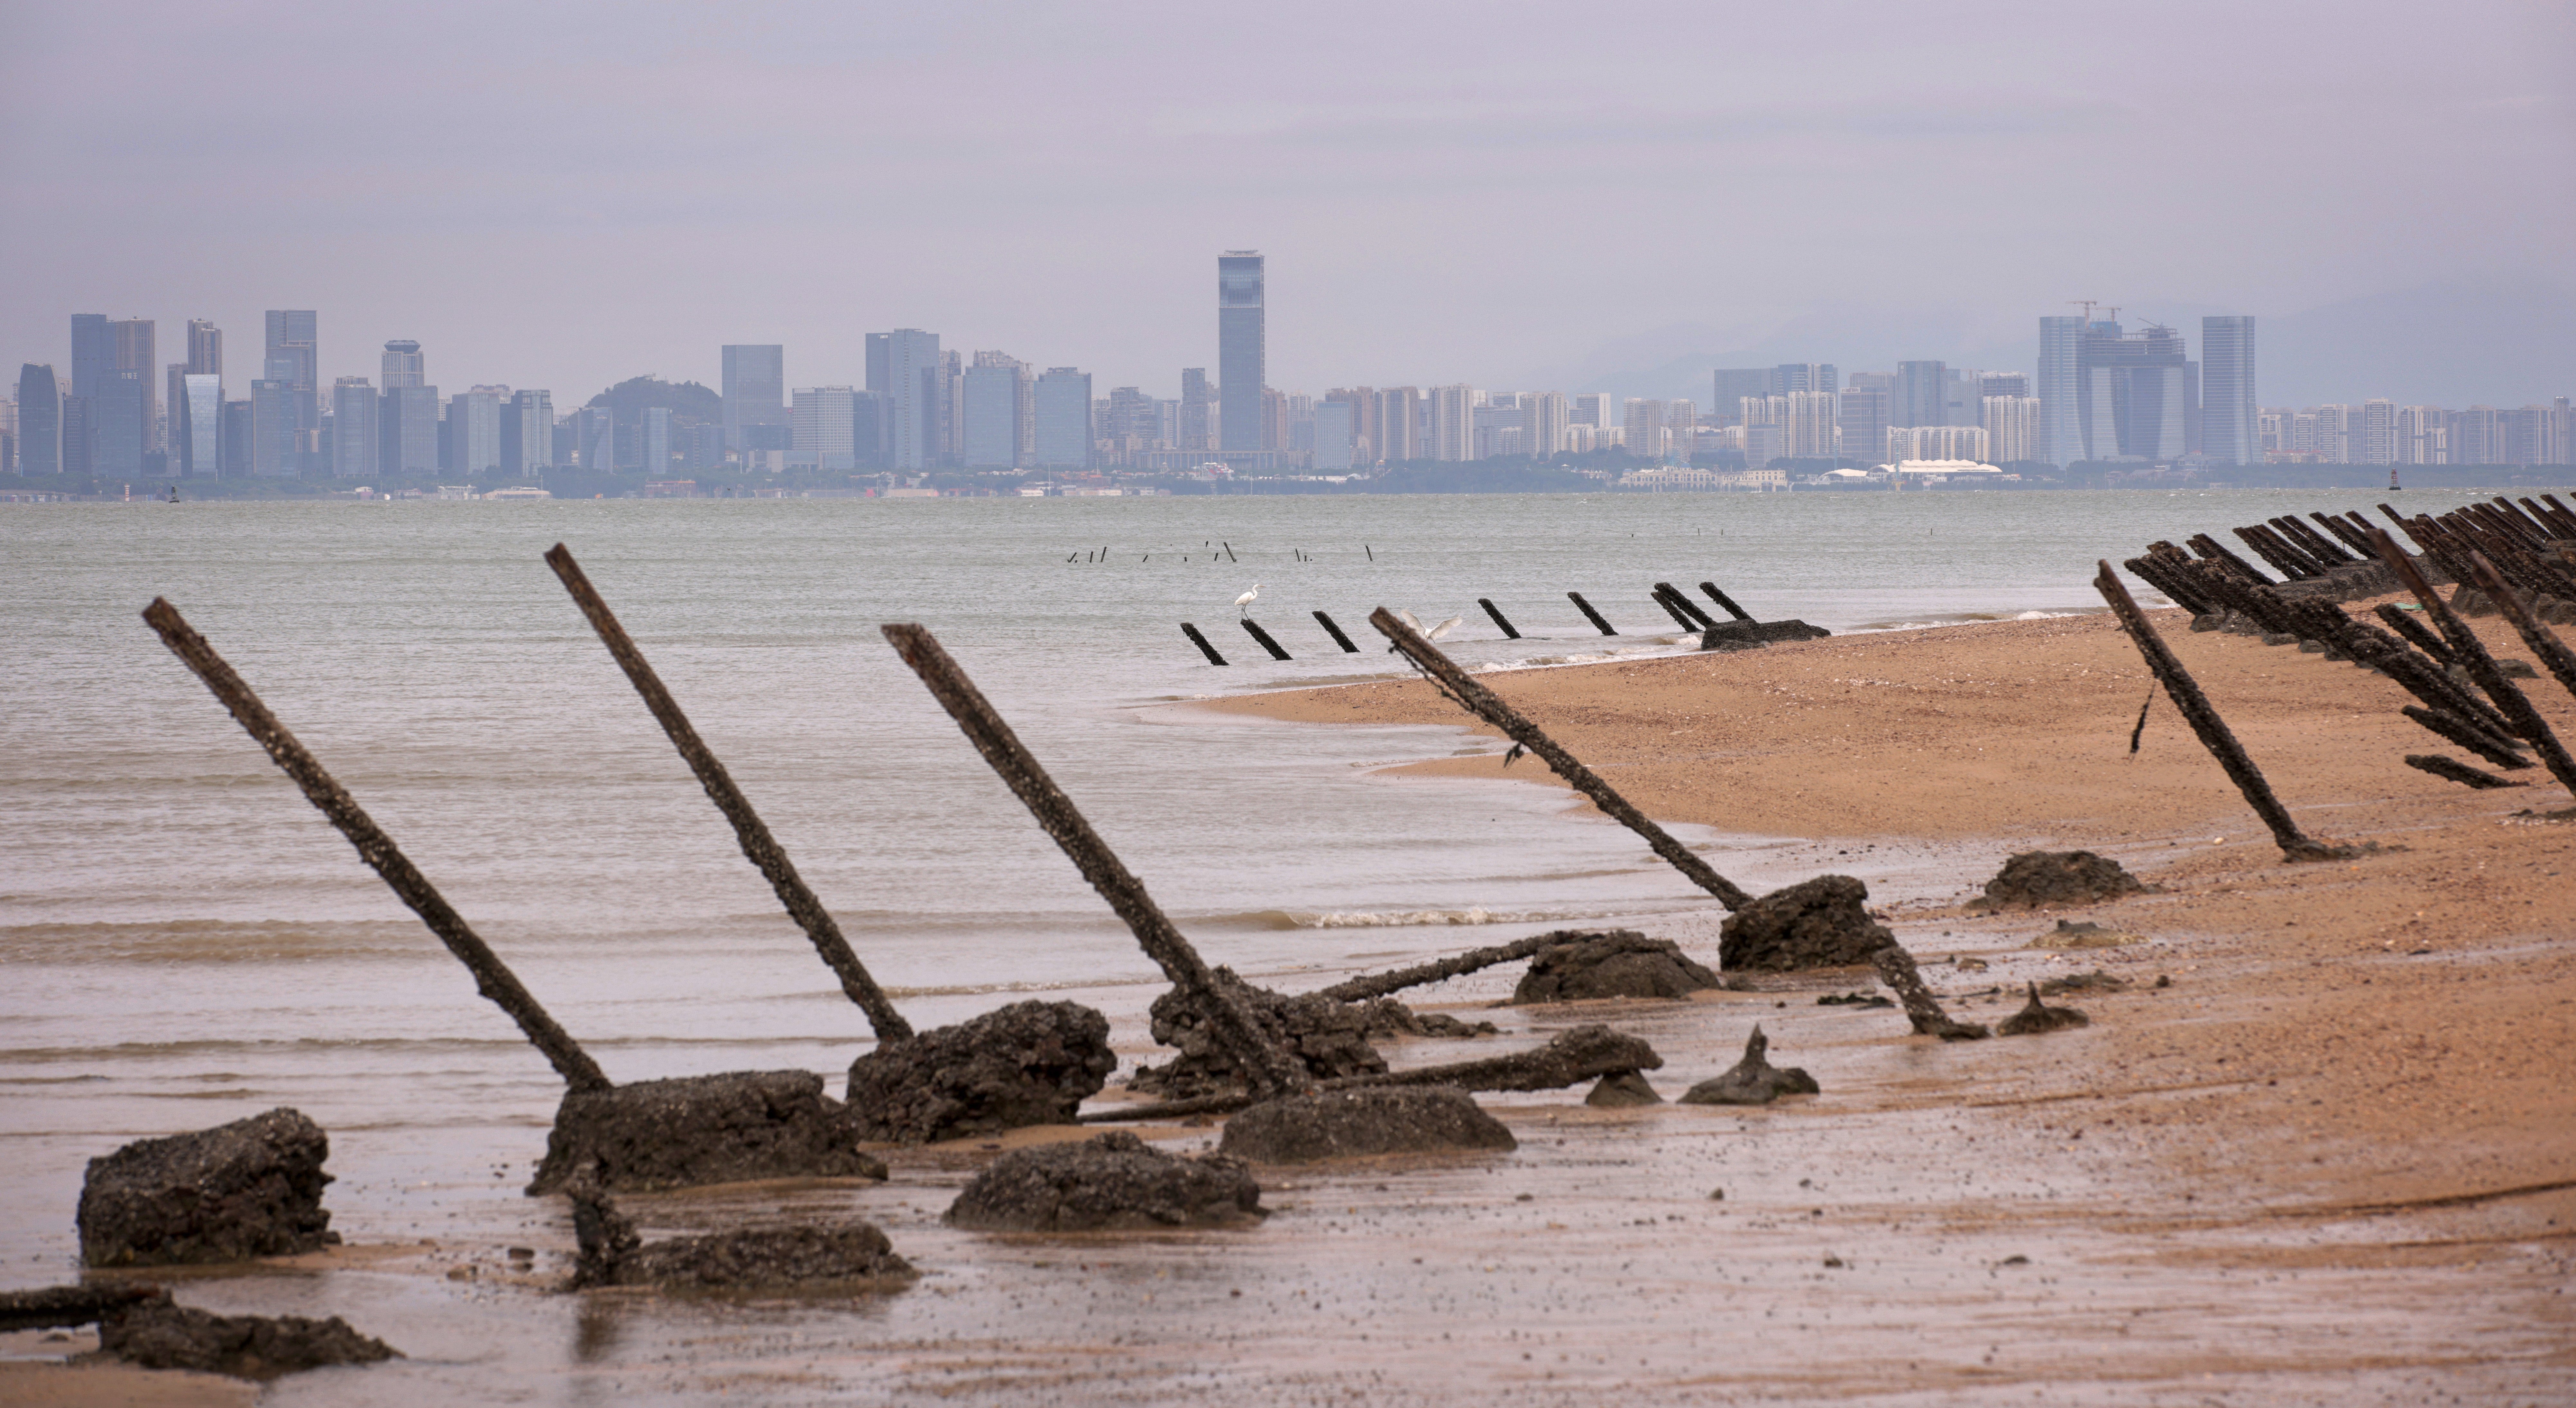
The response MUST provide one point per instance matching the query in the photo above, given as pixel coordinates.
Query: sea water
(184, 941)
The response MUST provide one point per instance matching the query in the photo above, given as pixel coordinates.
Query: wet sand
(2333, 1162)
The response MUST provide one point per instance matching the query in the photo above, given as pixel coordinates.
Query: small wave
(1404, 918)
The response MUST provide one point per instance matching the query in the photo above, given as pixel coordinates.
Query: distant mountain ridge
(2497, 342)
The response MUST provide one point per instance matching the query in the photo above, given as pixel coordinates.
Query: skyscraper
(528, 434)
(407, 431)
(1543, 424)
(291, 356)
(1922, 394)
(116, 423)
(197, 425)
(1241, 368)
(996, 387)
(2132, 393)
(1814, 424)
(2227, 407)
(40, 420)
(657, 437)
(910, 378)
(2012, 427)
(1063, 413)
(1194, 409)
(1789, 378)
(134, 353)
(824, 427)
(93, 353)
(1448, 422)
(272, 427)
(474, 432)
(2061, 430)
(354, 438)
(1731, 385)
(1863, 416)
(1334, 436)
(755, 388)
(404, 364)
(205, 348)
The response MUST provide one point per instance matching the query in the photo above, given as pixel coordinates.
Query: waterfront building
(655, 449)
(354, 437)
(272, 428)
(528, 434)
(40, 420)
(1196, 397)
(2229, 429)
(291, 354)
(2012, 427)
(1814, 421)
(2132, 394)
(1449, 423)
(407, 430)
(825, 424)
(1335, 438)
(755, 389)
(1062, 401)
(997, 413)
(1863, 416)
(909, 376)
(1242, 350)
(1543, 424)
(2061, 428)
(1399, 424)
(474, 432)
(1922, 394)
(1936, 442)
(115, 422)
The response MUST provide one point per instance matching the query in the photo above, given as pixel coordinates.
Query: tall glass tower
(1240, 372)
(2061, 429)
(2229, 432)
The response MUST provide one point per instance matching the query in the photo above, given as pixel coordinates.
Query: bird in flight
(1429, 632)
(1244, 601)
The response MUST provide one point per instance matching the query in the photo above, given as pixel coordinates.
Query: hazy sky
(564, 194)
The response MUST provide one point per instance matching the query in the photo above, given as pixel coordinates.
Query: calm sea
(185, 941)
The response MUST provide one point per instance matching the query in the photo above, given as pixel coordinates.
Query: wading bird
(1246, 599)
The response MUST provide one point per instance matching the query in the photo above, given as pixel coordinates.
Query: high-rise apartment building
(291, 354)
(825, 434)
(474, 431)
(1336, 434)
(1448, 423)
(755, 388)
(1600, 408)
(1544, 422)
(40, 420)
(1936, 442)
(1644, 423)
(2061, 424)
(2374, 436)
(2012, 427)
(1863, 416)
(2003, 384)
(2229, 433)
(1814, 420)
(354, 437)
(528, 434)
(1241, 349)
(1062, 402)
(2421, 437)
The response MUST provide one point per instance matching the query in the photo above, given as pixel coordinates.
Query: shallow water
(186, 941)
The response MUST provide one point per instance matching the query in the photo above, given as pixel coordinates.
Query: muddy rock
(1110, 1183)
(1330, 1037)
(1434, 1024)
(1819, 923)
(1753, 1080)
(246, 1189)
(159, 1334)
(1623, 963)
(2097, 980)
(2037, 1017)
(2036, 879)
(1030, 1063)
(49, 1307)
(704, 1129)
(765, 1258)
(1343, 1124)
(1622, 1089)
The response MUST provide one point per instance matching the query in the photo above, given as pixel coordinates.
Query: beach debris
(1854, 999)
(2496, 748)
(61, 1307)
(1232, 1027)
(2185, 692)
(1622, 1089)
(161, 1334)
(1818, 923)
(2037, 1017)
(1723, 600)
(2050, 879)
(1463, 690)
(1753, 635)
(1753, 1080)
(2084, 934)
(689, 1130)
(1112, 1182)
(2095, 981)
(2458, 772)
(1329, 1038)
(1681, 608)
(1591, 615)
(761, 848)
(1348, 1124)
(1369, 985)
(2521, 719)
(246, 1189)
(1030, 1063)
(1569, 1058)
(1624, 963)
(854, 1255)
(2544, 643)
(1202, 643)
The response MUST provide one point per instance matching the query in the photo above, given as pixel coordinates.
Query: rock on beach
(1345, 1124)
(247, 1189)
(1112, 1182)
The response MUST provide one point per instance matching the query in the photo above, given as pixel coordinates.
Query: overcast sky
(565, 194)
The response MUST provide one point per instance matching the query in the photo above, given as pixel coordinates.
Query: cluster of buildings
(2100, 393)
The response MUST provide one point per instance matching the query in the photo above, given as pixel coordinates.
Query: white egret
(1247, 598)
(1443, 628)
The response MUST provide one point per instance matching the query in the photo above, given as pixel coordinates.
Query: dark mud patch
(2048, 879)
(1112, 1182)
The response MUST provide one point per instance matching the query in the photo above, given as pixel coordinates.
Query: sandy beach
(2321, 1148)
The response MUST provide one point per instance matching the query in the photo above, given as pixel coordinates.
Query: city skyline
(1573, 215)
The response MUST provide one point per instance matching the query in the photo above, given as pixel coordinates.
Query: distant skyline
(1514, 199)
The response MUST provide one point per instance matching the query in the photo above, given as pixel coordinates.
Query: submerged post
(1253, 629)
(2185, 693)
(1722, 599)
(492, 977)
(1485, 704)
(1689, 607)
(1497, 613)
(758, 845)
(1202, 643)
(1335, 632)
(1266, 1067)
(1586, 608)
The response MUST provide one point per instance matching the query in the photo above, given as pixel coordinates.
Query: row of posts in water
(1685, 612)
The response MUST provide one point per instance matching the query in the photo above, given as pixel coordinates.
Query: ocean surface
(184, 941)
